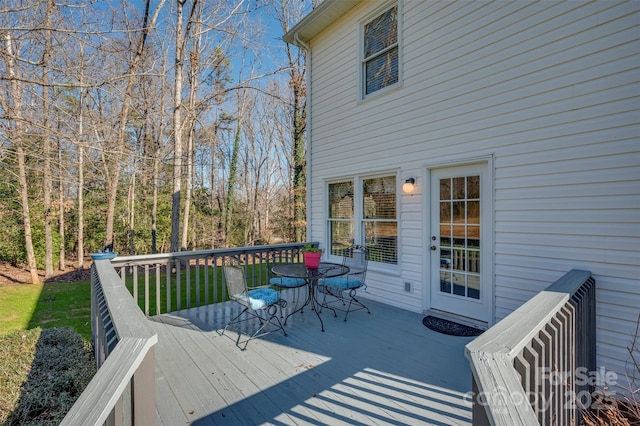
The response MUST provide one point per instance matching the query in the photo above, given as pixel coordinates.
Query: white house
(518, 122)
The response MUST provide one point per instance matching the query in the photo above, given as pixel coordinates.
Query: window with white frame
(364, 213)
(380, 51)
(341, 216)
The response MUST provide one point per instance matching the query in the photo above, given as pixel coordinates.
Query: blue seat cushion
(261, 298)
(342, 282)
(287, 282)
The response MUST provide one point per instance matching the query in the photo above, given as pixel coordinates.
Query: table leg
(306, 302)
(317, 306)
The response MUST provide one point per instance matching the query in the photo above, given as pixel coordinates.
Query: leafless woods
(148, 127)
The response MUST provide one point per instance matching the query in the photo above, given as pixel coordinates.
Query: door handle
(433, 248)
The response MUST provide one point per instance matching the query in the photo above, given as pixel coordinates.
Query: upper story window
(381, 51)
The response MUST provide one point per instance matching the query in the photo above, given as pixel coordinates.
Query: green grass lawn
(39, 382)
(52, 305)
(27, 306)
(46, 358)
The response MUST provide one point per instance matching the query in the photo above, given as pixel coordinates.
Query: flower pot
(312, 259)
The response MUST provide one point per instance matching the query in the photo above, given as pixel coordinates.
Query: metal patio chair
(260, 304)
(340, 292)
(295, 285)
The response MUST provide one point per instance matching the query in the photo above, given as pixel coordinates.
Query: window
(340, 216)
(380, 51)
(379, 222)
(364, 214)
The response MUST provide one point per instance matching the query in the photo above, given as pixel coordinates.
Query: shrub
(42, 373)
(625, 411)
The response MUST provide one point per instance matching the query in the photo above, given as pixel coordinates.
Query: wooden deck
(380, 369)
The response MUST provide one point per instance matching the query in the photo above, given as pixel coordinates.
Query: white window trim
(361, 64)
(358, 216)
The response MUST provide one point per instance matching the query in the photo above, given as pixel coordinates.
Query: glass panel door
(457, 250)
(459, 242)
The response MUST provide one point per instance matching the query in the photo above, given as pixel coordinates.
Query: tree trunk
(157, 155)
(194, 59)
(217, 227)
(47, 175)
(22, 177)
(233, 170)
(80, 239)
(61, 213)
(154, 207)
(187, 194)
(299, 168)
(132, 210)
(16, 95)
(177, 132)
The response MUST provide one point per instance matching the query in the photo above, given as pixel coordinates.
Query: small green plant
(311, 249)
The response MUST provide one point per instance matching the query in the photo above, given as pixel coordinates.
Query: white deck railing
(196, 276)
(527, 368)
(123, 389)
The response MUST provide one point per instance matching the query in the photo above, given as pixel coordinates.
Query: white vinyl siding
(549, 90)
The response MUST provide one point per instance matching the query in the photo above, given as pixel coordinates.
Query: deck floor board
(383, 368)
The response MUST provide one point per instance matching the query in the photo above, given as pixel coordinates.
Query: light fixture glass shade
(409, 185)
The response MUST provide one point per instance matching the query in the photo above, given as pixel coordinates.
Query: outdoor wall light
(409, 185)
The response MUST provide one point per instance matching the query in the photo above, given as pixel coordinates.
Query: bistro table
(311, 276)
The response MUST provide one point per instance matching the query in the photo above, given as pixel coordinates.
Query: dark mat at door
(449, 327)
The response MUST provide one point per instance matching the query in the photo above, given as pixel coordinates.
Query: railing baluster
(187, 283)
(206, 280)
(168, 278)
(146, 290)
(158, 290)
(178, 287)
(214, 266)
(197, 272)
(554, 370)
(541, 393)
(193, 270)
(135, 283)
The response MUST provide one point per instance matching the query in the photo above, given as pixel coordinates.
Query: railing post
(478, 413)
(144, 391)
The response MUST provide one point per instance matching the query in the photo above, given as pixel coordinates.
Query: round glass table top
(298, 270)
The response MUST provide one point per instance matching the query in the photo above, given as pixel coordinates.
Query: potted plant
(311, 256)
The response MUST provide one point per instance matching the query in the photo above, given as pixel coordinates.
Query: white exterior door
(460, 243)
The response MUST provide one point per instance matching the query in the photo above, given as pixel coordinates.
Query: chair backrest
(355, 257)
(235, 281)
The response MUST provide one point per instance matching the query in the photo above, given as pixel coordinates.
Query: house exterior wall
(549, 92)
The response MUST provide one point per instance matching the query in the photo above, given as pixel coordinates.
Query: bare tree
(83, 117)
(118, 151)
(80, 136)
(231, 182)
(157, 155)
(46, 136)
(288, 12)
(180, 48)
(12, 105)
(194, 69)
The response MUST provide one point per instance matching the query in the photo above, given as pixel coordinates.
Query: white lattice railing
(527, 368)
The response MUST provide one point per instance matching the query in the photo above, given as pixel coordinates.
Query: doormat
(449, 327)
